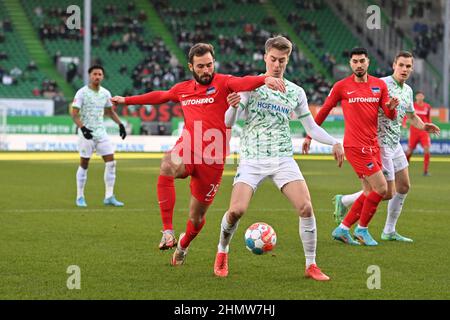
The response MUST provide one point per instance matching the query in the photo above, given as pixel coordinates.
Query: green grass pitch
(42, 233)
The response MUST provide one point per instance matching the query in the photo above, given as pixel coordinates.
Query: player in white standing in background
(266, 152)
(91, 103)
(395, 164)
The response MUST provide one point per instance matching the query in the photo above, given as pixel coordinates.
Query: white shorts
(394, 160)
(280, 170)
(103, 147)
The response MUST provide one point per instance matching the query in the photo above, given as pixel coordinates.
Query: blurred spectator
(31, 66)
(56, 57)
(7, 80)
(38, 11)
(6, 25)
(16, 72)
(71, 72)
(3, 55)
(36, 92)
(427, 38)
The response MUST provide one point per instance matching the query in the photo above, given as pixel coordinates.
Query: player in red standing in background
(361, 96)
(423, 110)
(201, 150)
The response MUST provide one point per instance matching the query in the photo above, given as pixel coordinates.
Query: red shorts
(365, 161)
(205, 180)
(205, 177)
(415, 137)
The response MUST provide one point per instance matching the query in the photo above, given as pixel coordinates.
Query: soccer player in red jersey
(423, 110)
(361, 97)
(201, 150)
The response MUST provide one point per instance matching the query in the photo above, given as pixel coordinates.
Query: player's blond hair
(279, 42)
(200, 49)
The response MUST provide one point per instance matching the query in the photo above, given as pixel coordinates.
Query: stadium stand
(238, 30)
(19, 75)
(137, 59)
(323, 32)
(134, 58)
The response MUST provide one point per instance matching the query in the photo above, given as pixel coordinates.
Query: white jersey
(389, 131)
(91, 104)
(267, 113)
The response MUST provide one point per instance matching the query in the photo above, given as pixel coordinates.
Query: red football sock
(426, 162)
(369, 208)
(166, 197)
(191, 233)
(355, 212)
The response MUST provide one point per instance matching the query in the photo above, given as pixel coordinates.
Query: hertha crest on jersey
(210, 90)
(375, 90)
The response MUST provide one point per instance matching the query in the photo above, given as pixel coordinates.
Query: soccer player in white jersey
(395, 164)
(91, 103)
(266, 152)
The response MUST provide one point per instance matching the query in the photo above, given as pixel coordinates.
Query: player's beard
(203, 80)
(360, 74)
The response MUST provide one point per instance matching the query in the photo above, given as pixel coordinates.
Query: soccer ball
(260, 238)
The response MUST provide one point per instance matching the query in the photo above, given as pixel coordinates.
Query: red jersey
(360, 103)
(423, 111)
(204, 108)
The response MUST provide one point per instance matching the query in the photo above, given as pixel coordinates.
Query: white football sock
(81, 181)
(348, 199)
(226, 233)
(395, 206)
(110, 178)
(343, 226)
(308, 235)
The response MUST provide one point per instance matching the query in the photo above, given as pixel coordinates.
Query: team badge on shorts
(370, 165)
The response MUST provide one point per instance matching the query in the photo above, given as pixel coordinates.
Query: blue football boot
(112, 201)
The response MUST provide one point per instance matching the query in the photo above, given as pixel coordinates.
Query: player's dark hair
(403, 54)
(359, 51)
(96, 66)
(200, 49)
(419, 92)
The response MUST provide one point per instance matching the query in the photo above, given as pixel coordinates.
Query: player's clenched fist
(118, 100)
(233, 99)
(275, 84)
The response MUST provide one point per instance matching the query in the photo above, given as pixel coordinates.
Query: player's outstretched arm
(154, 97)
(331, 102)
(425, 126)
(250, 83)
(319, 134)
